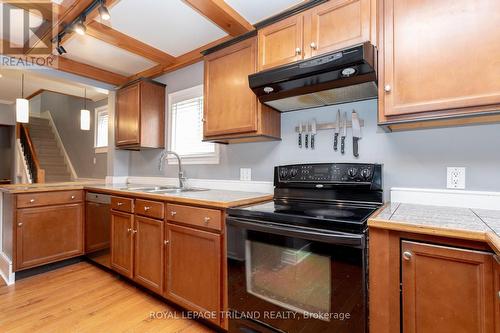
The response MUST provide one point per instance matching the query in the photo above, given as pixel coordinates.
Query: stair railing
(36, 171)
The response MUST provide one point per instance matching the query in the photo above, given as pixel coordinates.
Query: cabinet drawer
(122, 204)
(48, 198)
(201, 217)
(152, 209)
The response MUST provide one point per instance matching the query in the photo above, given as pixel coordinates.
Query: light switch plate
(245, 174)
(455, 177)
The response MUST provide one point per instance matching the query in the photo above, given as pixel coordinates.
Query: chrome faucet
(164, 156)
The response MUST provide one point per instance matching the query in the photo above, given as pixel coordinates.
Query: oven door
(294, 280)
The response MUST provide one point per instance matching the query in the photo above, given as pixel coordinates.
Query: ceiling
(10, 86)
(145, 38)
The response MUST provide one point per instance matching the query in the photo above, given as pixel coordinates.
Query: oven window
(289, 275)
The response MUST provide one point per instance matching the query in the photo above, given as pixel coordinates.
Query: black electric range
(299, 263)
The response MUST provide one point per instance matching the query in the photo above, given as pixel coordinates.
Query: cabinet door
(281, 43)
(438, 55)
(148, 254)
(48, 234)
(230, 105)
(97, 227)
(446, 289)
(128, 120)
(194, 269)
(122, 243)
(338, 24)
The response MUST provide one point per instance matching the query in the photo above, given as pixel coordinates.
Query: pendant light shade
(22, 106)
(22, 110)
(85, 115)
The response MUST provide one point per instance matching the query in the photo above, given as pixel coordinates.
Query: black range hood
(338, 77)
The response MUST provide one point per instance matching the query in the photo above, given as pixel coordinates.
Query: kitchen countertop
(212, 198)
(464, 223)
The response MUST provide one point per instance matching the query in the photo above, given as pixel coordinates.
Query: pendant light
(85, 114)
(22, 106)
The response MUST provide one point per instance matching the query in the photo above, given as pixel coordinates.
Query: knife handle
(335, 141)
(300, 140)
(312, 141)
(342, 144)
(306, 141)
(355, 146)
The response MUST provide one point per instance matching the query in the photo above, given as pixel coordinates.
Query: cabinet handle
(166, 242)
(129, 230)
(73, 197)
(32, 200)
(387, 88)
(119, 203)
(173, 213)
(134, 232)
(20, 224)
(206, 219)
(407, 255)
(298, 51)
(498, 295)
(313, 46)
(203, 120)
(146, 208)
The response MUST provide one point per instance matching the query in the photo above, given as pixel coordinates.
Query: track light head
(79, 27)
(61, 50)
(103, 12)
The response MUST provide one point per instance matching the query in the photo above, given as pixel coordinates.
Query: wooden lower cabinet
(193, 271)
(48, 234)
(122, 243)
(148, 253)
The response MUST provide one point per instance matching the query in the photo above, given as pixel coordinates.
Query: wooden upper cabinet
(148, 253)
(438, 56)
(122, 243)
(194, 269)
(282, 42)
(338, 24)
(140, 115)
(446, 289)
(231, 110)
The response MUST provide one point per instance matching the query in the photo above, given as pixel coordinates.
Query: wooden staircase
(48, 152)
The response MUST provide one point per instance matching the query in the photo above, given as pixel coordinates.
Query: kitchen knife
(313, 133)
(344, 133)
(300, 135)
(356, 133)
(337, 131)
(306, 141)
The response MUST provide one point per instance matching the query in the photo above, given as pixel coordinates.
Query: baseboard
(6, 269)
(450, 198)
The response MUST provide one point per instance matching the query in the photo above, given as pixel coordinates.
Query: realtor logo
(26, 27)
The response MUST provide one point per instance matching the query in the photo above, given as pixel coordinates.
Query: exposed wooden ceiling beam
(222, 15)
(118, 39)
(181, 61)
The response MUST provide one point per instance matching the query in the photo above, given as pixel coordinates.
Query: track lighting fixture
(103, 11)
(79, 27)
(60, 49)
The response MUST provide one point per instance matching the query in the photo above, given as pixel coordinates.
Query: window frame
(203, 158)
(97, 111)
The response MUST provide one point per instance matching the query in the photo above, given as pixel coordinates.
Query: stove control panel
(328, 173)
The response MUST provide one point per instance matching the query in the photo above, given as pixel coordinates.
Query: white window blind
(186, 117)
(101, 131)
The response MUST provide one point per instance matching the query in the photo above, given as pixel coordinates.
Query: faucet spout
(164, 156)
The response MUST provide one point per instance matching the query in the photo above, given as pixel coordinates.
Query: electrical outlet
(455, 177)
(245, 174)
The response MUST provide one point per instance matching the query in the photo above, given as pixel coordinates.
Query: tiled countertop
(465, 223)
(211, 198)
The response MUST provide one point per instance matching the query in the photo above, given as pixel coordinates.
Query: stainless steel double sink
(164, 189)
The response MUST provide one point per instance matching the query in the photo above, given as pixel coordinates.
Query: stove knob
(351, 172)
(284, 173)
(294, 172)
(365, 173)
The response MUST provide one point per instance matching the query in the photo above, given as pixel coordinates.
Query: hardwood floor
(84, 298)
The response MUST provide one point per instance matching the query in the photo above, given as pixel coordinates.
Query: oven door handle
(331, 237)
